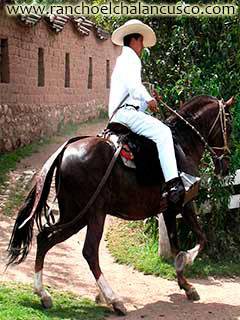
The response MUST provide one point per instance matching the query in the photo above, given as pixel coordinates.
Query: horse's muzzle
(222, 165)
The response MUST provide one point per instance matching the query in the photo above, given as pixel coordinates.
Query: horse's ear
(230, 102)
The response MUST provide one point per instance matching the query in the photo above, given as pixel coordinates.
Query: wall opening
(90, 74)
(108, 74)
(67, 70)
(41, 68)
(4, 61)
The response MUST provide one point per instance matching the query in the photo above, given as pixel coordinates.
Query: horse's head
(219, 137)
(205, 121)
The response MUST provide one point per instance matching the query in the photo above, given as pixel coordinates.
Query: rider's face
(137, 45)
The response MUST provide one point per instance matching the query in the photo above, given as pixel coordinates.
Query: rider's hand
(152, 105)
(156, 95)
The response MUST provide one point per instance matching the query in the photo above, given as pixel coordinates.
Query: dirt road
(146, 297)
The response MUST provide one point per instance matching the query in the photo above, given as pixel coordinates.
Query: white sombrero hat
(134, 26)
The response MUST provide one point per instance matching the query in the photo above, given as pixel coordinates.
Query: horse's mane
(191, 108)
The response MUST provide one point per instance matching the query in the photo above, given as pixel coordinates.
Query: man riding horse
(129, 99)
(91, 182)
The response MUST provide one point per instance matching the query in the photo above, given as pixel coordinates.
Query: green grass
(17, 302)
(8, 161)
(129, 244)
(203, 268)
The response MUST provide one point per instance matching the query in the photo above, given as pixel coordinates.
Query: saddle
(138, 153)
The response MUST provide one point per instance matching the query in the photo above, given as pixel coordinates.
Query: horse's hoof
(100, 298)
(46, 302)
(119, 308)
(180, 261)
(192, 294)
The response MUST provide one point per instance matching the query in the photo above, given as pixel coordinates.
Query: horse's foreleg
(90, 253)
(180, 256)
(190, 217)
(170, 222)
(184, 258)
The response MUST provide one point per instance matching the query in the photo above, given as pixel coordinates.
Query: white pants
(144, 124)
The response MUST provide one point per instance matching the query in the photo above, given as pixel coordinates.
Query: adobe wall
(27, 111)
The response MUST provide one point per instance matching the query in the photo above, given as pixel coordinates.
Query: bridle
(222, 117)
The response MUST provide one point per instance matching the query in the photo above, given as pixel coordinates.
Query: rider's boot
(175, 191)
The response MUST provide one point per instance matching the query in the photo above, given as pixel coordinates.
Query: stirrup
(191, 185)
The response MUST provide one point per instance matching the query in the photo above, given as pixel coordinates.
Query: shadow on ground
(178, 308)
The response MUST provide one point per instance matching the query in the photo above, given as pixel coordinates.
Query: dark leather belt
(131, 105)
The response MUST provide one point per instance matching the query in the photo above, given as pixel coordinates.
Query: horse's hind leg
(45, 242)
(90, 253)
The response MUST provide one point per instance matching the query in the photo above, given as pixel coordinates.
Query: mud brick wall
(29, 111)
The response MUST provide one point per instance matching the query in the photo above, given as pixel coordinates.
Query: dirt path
(146, 297)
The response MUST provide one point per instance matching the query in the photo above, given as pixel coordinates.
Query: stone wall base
(22, 124)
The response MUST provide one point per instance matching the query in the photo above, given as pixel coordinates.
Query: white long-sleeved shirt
(126, 78)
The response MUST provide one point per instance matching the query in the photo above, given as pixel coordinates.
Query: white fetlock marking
(106, 290)
(38, 286)
(192, 254)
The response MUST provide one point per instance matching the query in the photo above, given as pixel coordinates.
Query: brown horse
(80, 166)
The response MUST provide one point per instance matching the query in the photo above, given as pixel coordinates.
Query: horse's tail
(21, 239)
(22, 234)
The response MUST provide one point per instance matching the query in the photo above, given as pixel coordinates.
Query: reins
(221, 115)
